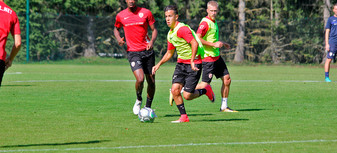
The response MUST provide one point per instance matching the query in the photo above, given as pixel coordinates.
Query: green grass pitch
(88, 108)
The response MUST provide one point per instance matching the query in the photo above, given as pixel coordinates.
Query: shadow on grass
(16, 85)
(56, 144)
(221, 120)
(175, 115)
(248, 110)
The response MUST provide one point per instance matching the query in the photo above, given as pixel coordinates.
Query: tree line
(267, 31)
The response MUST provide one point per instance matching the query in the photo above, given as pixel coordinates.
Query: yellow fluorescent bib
(184, 49)
(212, 35)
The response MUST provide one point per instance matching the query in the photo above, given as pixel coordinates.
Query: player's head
(334, 9)
(131, 3)
(212, 9)
(171, 15)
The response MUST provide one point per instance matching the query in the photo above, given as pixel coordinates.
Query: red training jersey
(9, 22)
(135, 25)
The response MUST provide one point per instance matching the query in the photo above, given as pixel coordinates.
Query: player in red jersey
(9, 22)
(135, 21)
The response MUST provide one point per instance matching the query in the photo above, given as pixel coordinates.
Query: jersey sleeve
(203, 28)
(185, 33)
(170, 46)
(118, 23)
(15, 30)
(150, 18)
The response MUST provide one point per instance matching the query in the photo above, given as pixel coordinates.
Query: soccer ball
(146, 115)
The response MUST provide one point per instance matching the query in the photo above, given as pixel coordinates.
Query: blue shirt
(332, 25)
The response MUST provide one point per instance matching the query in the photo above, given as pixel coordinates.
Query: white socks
(224, 103)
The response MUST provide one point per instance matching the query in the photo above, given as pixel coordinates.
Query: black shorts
(185, 75)
(2, 70)
(218, 68)
(142, 60)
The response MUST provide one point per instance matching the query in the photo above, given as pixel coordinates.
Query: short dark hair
(171, 7)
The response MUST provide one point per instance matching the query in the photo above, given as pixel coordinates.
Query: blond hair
(212, 3)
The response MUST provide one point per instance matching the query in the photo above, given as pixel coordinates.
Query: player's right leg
(136, 67)
(139, 74)
(175, 90)
(327, 69)
(178, 81)
(2, 70)
(330, 56)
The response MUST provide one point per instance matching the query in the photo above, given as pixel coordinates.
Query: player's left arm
(153, 37)
(15, 49)
(194, 46)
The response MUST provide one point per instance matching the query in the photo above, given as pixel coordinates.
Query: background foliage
(276, 31)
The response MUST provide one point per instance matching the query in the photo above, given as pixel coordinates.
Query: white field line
(171, 145)
(306, 81)
(13, 73)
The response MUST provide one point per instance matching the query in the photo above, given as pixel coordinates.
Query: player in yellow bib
(213, 64)
(188, 69)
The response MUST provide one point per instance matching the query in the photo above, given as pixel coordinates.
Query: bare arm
(194, 46)
(204, 42)
(217, 44)
(120, 40)
(153, 37)
(166, 57)
(327, 33)
(15, 49)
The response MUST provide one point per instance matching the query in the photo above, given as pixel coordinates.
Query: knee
(140, 80)
(175, 91)
(227, 81)
(187, 96)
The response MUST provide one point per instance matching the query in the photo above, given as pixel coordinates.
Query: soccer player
(187, 72)
(135, 21)
(9, 22)
(213, 64)
(330, 41)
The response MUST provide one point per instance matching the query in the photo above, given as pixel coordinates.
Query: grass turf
(88, 108)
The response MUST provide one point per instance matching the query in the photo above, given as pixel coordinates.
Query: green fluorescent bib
(184, 49)
(212, 35)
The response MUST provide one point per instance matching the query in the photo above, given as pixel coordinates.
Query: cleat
(327, 79)
(171, 98)
(228, 110)
(136, 107)
(210, 93)
(181, 120)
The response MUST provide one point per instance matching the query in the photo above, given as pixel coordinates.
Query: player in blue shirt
(330, 41)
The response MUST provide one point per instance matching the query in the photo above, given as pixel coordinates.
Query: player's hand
(193, 67)
(154, 69)
(121, 42)
(149, 46)
(8, 63)
(327, 47)
(218, 44)
(226, 45)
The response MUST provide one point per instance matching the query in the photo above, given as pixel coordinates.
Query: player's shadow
(175, 115)
(223, 120)
(249, 110)
(56, 144)
(16, 85)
